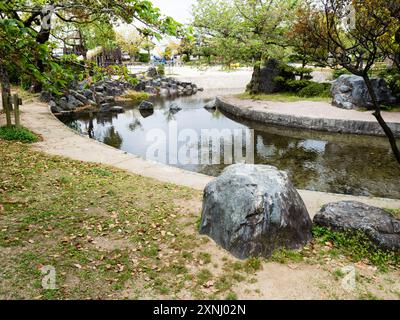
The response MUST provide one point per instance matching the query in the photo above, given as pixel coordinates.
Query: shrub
(161, 70)
(135, 96)
(296, 85)
(315, 89)
(392, 77)
(144, 57)
(339, 72)
(17, 134)
(304, 73)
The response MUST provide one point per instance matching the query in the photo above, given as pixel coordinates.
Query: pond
(338, 163)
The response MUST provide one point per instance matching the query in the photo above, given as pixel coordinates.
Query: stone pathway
(62, 141)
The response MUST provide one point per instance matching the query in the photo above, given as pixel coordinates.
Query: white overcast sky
(180, 10)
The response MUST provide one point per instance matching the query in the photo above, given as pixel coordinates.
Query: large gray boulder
(350, 92)
(267, 79)
(378, 225)
(251, 210)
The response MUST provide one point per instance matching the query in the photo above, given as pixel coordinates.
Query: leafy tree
(356, 34)
(36, 19)
(244, 29)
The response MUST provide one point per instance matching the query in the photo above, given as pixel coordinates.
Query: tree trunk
(42, 37)
(5, 83)
(381, 121)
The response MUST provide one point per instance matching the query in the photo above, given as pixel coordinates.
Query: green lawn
(109, 234)
(114, 235)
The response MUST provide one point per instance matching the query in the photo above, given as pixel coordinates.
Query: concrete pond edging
(360, 127)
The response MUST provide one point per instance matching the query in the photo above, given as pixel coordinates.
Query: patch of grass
(231, 296)
(338, 274)
(205, 257)
(394, 212)
(204, 276)
(13, 133)
(101, 172)
(280, 97)
(357, 247)
(368, 296)
(285, 256)
(253, 265)
(135, 96)
(108, 234)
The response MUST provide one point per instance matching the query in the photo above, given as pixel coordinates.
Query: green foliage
(231, 296)
(315, 89)
(339, 72)
(304, 73)
(241, 31)
(26, 50)
(136, 96)
(356, 246)
(392, 77)
(17, 134)
(253, 265)
(296, 85)
(144, 57)
(161, 70)
(284, 256)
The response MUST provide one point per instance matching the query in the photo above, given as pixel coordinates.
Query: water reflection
(346, 164)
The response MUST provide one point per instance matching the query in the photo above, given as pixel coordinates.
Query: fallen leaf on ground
(209, 284)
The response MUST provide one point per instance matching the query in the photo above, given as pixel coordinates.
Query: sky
(177, 9)
(180, 10)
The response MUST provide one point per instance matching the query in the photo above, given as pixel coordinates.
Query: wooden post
(16, 110)
(6, 106)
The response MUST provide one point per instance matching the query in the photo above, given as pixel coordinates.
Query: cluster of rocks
(100, 96)
(351, 92)
(253, 210)
(167, 87)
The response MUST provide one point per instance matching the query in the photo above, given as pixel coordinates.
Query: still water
(348, 164)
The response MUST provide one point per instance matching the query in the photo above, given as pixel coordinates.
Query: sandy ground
(207, 78)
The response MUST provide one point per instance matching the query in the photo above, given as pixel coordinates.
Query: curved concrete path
(60, 140)
(309, 115)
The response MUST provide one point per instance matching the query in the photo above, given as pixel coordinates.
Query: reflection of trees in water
(170, 114)
(361, 170)
(135, 124)
(75, 125)
(113, 138)
(289, 155)
(106, 118)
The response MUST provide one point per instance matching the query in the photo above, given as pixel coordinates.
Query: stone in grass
(377, 224)
(252, 210)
